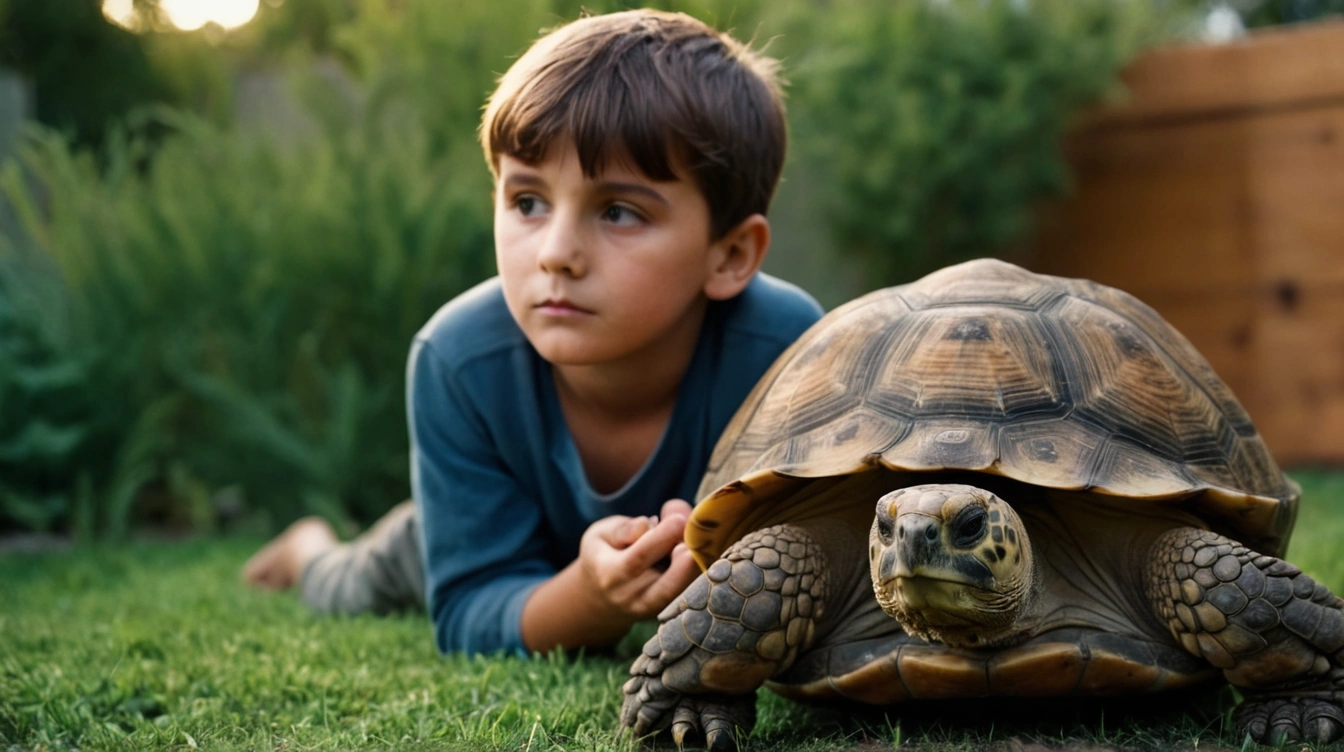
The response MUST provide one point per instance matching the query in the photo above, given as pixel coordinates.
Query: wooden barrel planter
(1216, 195)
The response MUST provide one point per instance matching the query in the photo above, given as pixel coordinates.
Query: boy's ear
(735, 258)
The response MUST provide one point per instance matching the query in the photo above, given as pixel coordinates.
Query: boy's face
(598, 270)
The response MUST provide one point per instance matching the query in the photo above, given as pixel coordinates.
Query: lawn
(156, 645)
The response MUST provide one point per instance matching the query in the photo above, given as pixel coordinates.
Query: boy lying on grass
(561, 412)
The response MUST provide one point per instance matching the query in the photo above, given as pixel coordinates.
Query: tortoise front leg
(741, 622)
(1275, 632)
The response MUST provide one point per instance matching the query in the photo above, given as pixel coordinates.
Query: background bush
(200, 322)
(233, 315)
(1272, 12)
(935, 127)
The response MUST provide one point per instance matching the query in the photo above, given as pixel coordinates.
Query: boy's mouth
(560, 306)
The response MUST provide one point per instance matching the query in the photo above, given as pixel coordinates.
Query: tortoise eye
(884, 530)
(969, 527)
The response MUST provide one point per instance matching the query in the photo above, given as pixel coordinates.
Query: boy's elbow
(443, 637)
(450, 631)
(458, 631)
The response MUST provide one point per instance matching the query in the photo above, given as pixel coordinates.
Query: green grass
(157, 645)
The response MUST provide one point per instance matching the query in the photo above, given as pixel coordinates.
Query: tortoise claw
(720, 736)
(715, 721)
(1322, 723)
(1290, 720)
(685, 726)
(651, 706)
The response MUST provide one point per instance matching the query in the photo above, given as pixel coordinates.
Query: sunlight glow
(120, 12)
(187, 15)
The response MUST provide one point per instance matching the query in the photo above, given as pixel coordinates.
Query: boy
(556, 407)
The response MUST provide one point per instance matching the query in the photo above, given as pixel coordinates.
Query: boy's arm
(482, 541)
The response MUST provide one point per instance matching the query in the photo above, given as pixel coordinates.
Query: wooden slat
(1155, 210)
(1299, 367)
(1295, 163)
(1288, 66)
(1208, 205)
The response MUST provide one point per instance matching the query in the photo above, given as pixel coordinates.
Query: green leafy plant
(41, 421)
(236, 313)
(1273, 12)
(932, 128)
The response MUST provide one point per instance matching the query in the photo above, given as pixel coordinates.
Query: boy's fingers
(655, 544)
(628, 572)
(619, 531)
(601, 551)
(676, 506)
(633, 529)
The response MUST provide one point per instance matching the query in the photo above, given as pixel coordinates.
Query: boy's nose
(561, 249)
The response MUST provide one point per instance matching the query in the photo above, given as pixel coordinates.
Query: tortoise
(990, 482)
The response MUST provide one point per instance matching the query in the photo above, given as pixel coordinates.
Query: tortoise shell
(986, 367)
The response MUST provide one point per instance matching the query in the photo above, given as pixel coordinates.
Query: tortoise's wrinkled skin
(984, 483)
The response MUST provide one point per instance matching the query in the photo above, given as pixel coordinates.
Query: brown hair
(665, 88)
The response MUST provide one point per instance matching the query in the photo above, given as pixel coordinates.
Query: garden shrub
(236, 314)
(1257, 13)
(934, 128)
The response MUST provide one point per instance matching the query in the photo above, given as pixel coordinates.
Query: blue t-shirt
(498, 481)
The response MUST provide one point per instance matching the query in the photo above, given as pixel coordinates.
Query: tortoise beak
(920, 546)
(911, 554)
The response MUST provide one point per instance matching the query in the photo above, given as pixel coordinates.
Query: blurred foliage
(935, 127)
(232, 314)
(1274, 12)
(199, 319)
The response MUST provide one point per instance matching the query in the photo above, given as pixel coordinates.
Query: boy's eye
(526, 205)
(620, 215)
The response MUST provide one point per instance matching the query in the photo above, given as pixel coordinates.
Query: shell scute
(1060, 451)
(1102, 349)
(932, 672)
(1037, 670)
(1004, 372)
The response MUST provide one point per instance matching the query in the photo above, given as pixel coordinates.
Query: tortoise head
(951, 563)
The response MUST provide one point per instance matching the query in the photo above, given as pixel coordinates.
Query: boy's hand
(620, 555)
